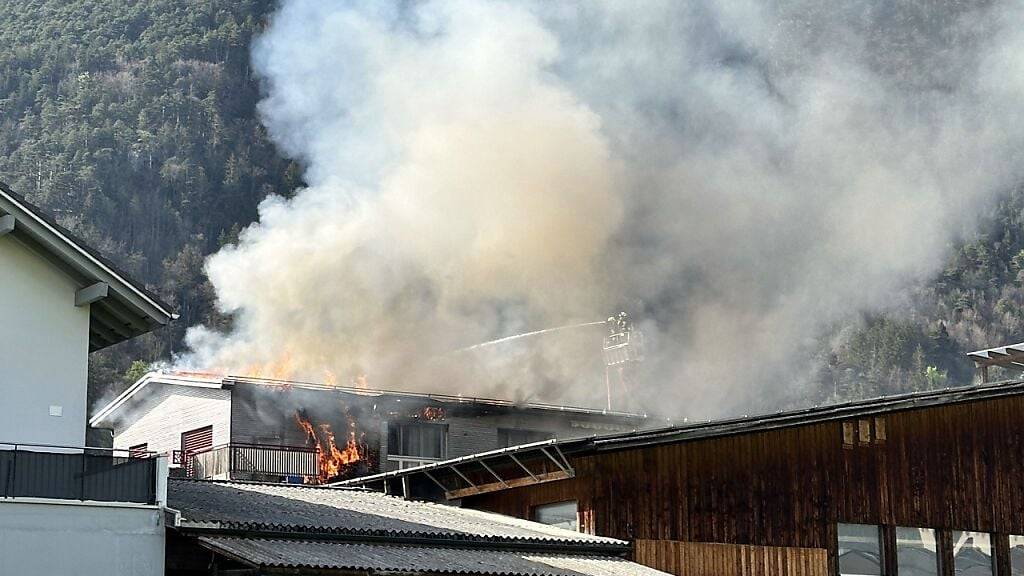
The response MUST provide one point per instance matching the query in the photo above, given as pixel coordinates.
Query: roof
(403, 559)
(494, 464)
(456, 483)
(193, 380)
(297, 509)
(813, 415)
(1011, 356)
(207, 380)
(120, 307)
(293, 526)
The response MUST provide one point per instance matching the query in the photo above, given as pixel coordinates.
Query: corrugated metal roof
(286, 508)
(406, 559)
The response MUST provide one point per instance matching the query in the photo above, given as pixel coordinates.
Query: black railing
(97, 474)
(240, 461)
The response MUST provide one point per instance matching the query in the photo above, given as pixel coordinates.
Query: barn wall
(703, 559)
(954, 467)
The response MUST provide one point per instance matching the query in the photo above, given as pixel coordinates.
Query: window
(916, 552)
(138, 451)
(514, 437)
(860, 550)
(1017, 555)
(196, 440)
(418, 440)
(972, 553)
(560, 514)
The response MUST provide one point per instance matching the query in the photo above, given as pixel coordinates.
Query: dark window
(916, 552)
(419, 440)
(972, 553)
(860, 550)
(1017, 555)
(514, 437)
(561, 514)
(138, 451)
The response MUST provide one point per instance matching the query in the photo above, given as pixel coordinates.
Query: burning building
(243, 428)
(919, 484)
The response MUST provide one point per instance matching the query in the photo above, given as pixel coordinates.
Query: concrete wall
(164, 411)
(44, 349)
(80, 539)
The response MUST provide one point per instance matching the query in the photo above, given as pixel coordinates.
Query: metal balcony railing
(402, 462)
(77, 473)
(244, 461)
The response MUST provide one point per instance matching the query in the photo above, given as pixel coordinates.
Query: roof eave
(124, 310)
(104, 415)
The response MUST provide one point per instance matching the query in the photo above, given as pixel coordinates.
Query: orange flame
(281, 369)
(331, 461)
(330, 378)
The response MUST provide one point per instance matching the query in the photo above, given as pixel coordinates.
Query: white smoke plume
(742, 174)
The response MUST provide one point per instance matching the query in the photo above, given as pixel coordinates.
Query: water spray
(526, 335)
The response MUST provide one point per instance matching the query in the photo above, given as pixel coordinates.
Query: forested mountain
(135, 123)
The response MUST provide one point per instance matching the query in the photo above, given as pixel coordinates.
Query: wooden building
(923, 484)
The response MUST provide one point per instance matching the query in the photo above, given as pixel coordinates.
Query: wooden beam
(6, 224)
(99, 312)
(91, 293)
(508, 483)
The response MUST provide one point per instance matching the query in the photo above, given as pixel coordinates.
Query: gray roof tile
(287, 508)
(401, 559)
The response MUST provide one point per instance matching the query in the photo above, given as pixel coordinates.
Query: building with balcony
(66, 508)
(920, 484)
(238, 428)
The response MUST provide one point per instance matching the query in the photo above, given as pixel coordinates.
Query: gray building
(66, 508)
(229, 427)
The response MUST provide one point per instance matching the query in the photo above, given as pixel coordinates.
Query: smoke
(744, 175)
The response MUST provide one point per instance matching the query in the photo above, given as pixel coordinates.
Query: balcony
(250, 462)
(77, 473)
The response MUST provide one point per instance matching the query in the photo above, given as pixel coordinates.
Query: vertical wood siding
(702, 559)
(956, 467)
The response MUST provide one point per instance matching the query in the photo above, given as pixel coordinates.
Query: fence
(76, 474)
(232, 460)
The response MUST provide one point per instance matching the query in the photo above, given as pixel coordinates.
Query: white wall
(80, 539)
(44, 349)
(159, 413)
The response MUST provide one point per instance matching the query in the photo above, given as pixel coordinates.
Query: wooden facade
(955, 466)
(703, 559)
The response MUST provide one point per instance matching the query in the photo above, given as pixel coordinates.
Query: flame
(330, 378)
(361, 381)
(280, 369)
(330, 459)
(432, 413)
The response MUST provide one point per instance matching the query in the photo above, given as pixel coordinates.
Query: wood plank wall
(955, 467)
(703, 559)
